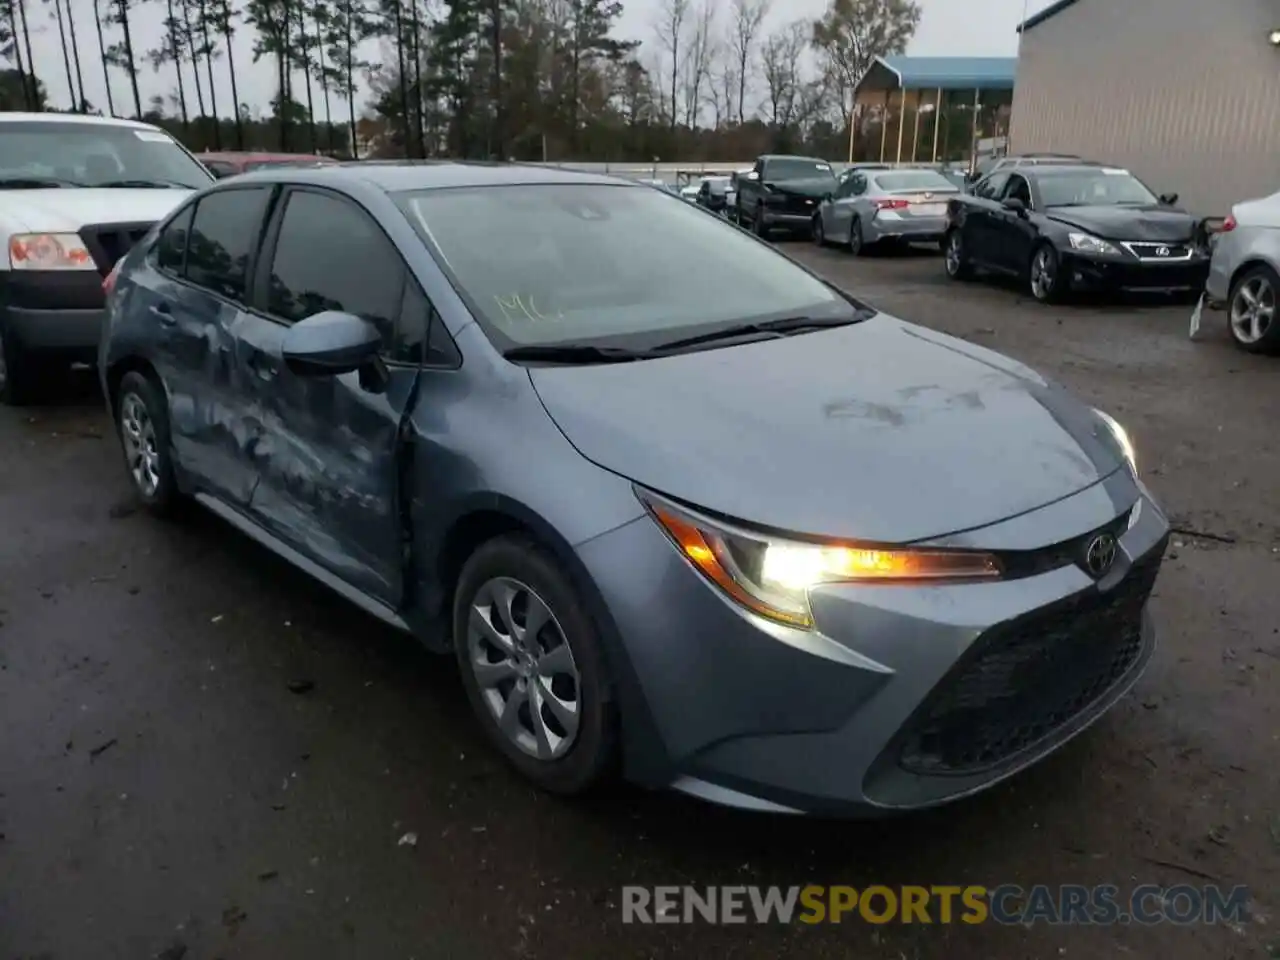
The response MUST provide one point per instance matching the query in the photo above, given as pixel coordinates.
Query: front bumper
(903, 697)
(1117, 273)
(789, 220)
(55, 311)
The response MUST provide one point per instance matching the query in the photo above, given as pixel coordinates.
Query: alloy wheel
(524, 668)
(142, 453)
(953, 254)
(855, 236)
(1253, 310)
(1042, 274)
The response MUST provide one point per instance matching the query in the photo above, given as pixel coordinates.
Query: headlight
(1087, 243)
(49, 251)
(1121, 436)
(772, 576)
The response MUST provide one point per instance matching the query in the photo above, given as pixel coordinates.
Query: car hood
(1156, 224)
(813, 187)
(880, 431)
(69, 209)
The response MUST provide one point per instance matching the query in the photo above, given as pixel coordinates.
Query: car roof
(394, 176)
(1066, 169)
(77, 118)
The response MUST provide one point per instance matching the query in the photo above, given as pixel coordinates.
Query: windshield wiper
(35, 183)
(786, 325)
(146, 184)
(574, 353)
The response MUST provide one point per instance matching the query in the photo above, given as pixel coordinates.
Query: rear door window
(222, 241)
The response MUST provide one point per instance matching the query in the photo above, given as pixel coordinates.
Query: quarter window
(222, 240)
(171, 248)
(991, 187)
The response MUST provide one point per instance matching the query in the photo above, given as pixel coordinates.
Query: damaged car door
(327, 463)
(196, 298)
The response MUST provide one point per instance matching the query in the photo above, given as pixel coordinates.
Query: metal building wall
(1185, 93)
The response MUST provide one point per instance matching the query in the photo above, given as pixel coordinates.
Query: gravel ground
(162, 786)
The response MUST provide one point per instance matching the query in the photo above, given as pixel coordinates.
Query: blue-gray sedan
(728, 531)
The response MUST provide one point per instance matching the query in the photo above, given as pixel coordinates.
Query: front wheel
(533, 667)
(818, 233)
(1045, 277)
(1252, 310)
(759, 227)
(856, 246)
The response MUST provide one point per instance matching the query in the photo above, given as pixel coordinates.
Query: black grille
(1021, 682)
(1173, 251)
(108, 242)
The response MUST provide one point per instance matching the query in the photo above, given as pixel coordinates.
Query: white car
(76, 193)
(1244, 274)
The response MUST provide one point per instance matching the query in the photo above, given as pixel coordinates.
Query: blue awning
(939, 73)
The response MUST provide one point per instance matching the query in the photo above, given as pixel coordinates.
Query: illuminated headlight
(1088, 243)
(772, 576)
(1121, 437)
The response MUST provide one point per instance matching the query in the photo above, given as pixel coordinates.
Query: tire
(758, 226)
(1053, 287)
(818, 233)
(955, 257)
(1253, 293)
(20, 372)
(142, 424)
(518, 564)
(856, 246)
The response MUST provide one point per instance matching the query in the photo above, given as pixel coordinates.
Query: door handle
(165, 313)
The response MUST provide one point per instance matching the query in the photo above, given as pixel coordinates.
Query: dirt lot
(162, 787)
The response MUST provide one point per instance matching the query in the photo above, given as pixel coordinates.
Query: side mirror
(329, 343)
(1014, 205)
(1168, 199)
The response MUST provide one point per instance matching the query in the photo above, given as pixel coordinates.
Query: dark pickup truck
(782, 193)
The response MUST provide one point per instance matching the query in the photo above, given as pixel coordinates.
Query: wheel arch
(1247, 265)
(121, 368)
(485, 517)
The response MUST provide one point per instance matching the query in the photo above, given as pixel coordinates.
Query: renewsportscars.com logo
(1009, 904)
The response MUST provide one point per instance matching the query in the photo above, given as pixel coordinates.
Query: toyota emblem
(1100, 554)
(1162, 251)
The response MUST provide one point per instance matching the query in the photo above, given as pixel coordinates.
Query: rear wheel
(1252, 310)
(956, 256)
(533, 666)
(856, 246)
(142, 421)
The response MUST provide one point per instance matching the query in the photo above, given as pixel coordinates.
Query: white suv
(76, 193)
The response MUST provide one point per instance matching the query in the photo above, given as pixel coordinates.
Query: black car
(782, 193)
(713, 193)
(1060, 227)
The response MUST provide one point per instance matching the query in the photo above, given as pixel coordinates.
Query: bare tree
(748, 15)
(852, 33)
(780, 61)
(671, 30)
(699, 53)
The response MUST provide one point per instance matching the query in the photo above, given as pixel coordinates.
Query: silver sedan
(1244, 276)
(873, 206)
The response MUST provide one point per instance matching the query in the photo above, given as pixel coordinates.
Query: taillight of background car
(891, 204)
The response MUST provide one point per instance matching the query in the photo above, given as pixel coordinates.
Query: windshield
(913, 180)
(1094, 187)
(796, 169)
(93, 154)
(544, 264)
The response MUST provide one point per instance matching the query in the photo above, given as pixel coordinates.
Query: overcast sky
(947, 28)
